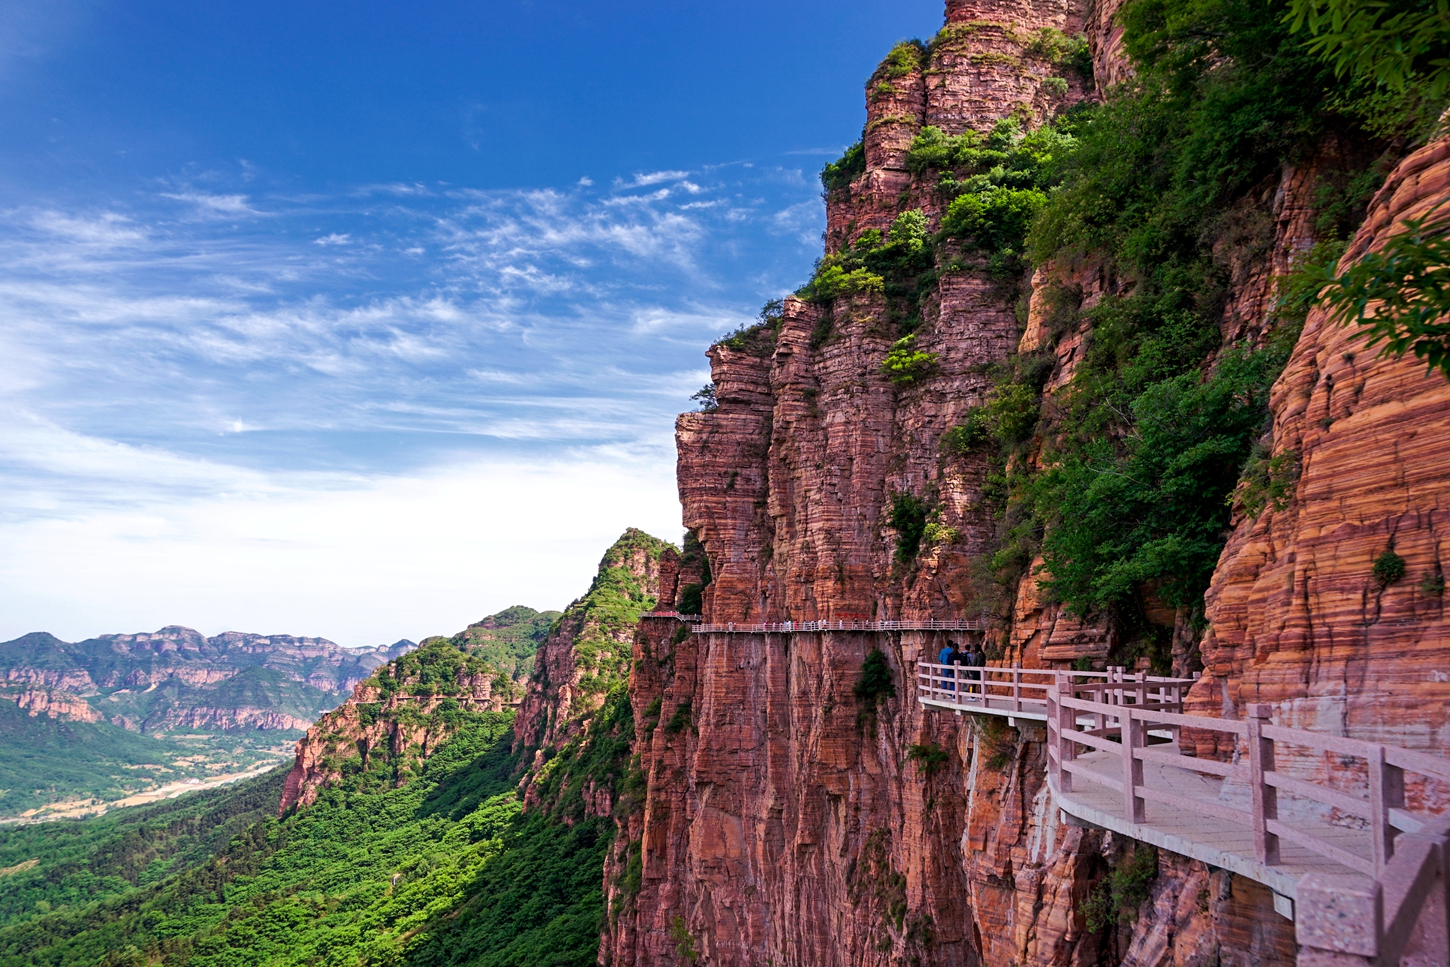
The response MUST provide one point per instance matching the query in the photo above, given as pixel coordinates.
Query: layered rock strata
(55, 704)
(1298, 617)
(787, 819)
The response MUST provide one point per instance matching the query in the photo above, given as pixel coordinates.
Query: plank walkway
(1017, 693)
(1365, 877)
(1228, 844)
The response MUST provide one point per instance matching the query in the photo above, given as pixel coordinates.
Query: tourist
(945, 658)
(975, 659)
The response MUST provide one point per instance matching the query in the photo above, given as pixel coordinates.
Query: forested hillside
(405, 841)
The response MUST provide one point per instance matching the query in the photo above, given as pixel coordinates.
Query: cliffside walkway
(1021, 693)
(1341, 830)
(837, 624)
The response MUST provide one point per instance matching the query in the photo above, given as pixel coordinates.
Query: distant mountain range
(97, 720)
(178, 679)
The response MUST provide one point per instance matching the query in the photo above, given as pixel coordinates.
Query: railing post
(1054, 740)
(1017, 687)
(1386, 792)
(1132, 766)
(1066, 722)
(1264, 799)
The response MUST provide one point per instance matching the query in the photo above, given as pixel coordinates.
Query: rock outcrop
(587, 651)
(393, 716)
(56, 705)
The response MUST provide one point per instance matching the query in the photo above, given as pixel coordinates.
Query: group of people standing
(953, 655)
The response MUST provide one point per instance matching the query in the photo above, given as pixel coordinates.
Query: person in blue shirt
(946, 657)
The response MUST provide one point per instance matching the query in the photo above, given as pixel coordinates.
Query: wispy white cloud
(645, 179)
(107, 229)
(227, 206)
(805, 220)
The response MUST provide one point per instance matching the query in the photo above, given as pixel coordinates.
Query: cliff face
(1298, 616)
(789, 821)
(57, 705)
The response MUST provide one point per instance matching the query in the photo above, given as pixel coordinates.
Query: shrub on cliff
(973, 433)
(838, 175)
(874, 686)
(1117, 896)
(899, 265)
(905, 364)
(998, 185)
(905, 57)
(1389, 567)
(930, 758)
(1150, 508)
(908, 516)
(757, 338)
(1060, 50)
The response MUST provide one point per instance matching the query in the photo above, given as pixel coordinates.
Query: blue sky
(364, 320)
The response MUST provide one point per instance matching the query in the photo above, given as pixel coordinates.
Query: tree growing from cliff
(1400, 295)
(905, 364)
(706, 399)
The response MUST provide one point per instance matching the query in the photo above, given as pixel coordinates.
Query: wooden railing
(1408, 852)
(840, 624)
(1026, 691)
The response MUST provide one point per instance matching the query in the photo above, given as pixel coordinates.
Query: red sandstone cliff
(786, 823)
(55, 704)
(1298, 618)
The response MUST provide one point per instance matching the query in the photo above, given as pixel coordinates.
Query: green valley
(414, 847)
